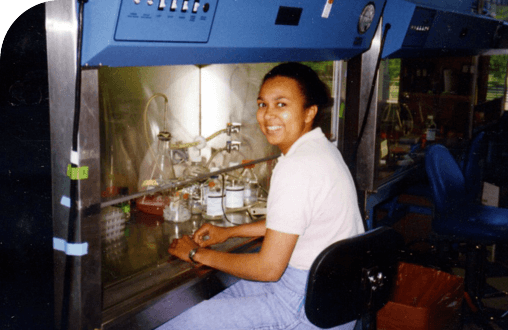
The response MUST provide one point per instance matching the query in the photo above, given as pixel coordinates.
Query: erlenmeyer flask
(160, 171)
(157, 170)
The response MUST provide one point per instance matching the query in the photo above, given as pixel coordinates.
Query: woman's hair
(313, 89)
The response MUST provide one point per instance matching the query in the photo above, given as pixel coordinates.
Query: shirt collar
(311, 135)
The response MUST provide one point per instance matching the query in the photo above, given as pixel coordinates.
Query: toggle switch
(150, 2)
(162, 4)
(174, 5)
(137, 2)
(185, 6)
(195, 7)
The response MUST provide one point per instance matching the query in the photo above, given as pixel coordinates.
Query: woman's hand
(209, 235)
(180, 248)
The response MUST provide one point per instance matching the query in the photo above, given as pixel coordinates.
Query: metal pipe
(472, 100)
(182, 183)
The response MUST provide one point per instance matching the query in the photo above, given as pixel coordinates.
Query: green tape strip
(126, 208)
(77, 173)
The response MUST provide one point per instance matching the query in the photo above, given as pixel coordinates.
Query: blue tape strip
(70, 249)
(65, 201)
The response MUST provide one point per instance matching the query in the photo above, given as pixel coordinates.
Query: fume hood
(207, 58)
(440, 28)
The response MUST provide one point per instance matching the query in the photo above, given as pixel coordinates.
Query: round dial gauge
(366, 18)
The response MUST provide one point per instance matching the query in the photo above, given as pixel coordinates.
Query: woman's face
(281, 112)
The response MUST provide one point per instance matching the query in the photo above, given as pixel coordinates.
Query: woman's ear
(311, 113)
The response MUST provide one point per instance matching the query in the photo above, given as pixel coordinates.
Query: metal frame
(360, 78)
(77, 289)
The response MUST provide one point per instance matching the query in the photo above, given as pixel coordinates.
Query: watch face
(366, 18)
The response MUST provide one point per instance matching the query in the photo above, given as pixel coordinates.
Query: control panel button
(185, 6)
(162, 4)
(150, 2)
(174, 5)
(195, 7)
(206, 7)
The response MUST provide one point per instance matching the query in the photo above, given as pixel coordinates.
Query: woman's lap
(251, 305)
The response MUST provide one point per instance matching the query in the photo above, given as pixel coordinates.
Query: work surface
(143, 285)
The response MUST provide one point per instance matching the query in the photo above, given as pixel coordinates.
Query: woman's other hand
(180, 248)
(209, 235)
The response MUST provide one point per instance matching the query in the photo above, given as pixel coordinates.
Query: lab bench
(389, 187)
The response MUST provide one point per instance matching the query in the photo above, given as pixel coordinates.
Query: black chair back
(353, 277)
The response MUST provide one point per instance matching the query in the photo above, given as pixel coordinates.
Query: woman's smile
(273, 128)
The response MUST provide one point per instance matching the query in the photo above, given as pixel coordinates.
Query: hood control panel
(181, 21)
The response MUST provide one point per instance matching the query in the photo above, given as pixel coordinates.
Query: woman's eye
(261, 105)
(281, 105)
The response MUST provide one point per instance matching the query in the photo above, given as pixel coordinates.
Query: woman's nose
(269, 112)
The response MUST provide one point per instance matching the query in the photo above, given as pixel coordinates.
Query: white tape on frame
(70, 249)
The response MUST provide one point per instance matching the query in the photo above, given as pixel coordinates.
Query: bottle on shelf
(195, 198)
(214, 196)
(178, 208)
(430, 129)
(234, 188)
(195, 168)
(251, 184)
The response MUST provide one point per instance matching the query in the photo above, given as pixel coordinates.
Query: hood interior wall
(228, 93)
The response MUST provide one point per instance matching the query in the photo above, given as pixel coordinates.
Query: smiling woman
(311, 204)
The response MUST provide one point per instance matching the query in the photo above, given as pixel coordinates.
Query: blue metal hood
(141, 33)
(440, 28)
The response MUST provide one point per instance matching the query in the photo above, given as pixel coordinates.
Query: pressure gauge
(366, 18)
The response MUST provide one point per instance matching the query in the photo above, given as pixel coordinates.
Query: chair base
(475, 280)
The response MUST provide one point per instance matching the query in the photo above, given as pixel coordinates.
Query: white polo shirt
(312, 194)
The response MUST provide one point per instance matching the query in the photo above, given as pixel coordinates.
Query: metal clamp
(232, 145)
(233, 128)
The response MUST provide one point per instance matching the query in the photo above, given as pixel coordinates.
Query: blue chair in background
(458, 215)
(472, 166)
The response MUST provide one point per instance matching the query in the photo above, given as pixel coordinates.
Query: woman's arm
(209, 234)
(266, 265)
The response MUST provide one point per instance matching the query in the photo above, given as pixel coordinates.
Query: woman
(311, 204)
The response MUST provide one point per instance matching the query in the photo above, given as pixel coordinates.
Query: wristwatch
(192, 253)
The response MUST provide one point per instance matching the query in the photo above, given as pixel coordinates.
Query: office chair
(471, 163)
(472, 166)
(353, 278)
(460, 219)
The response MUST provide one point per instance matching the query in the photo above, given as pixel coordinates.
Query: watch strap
(192, 253)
